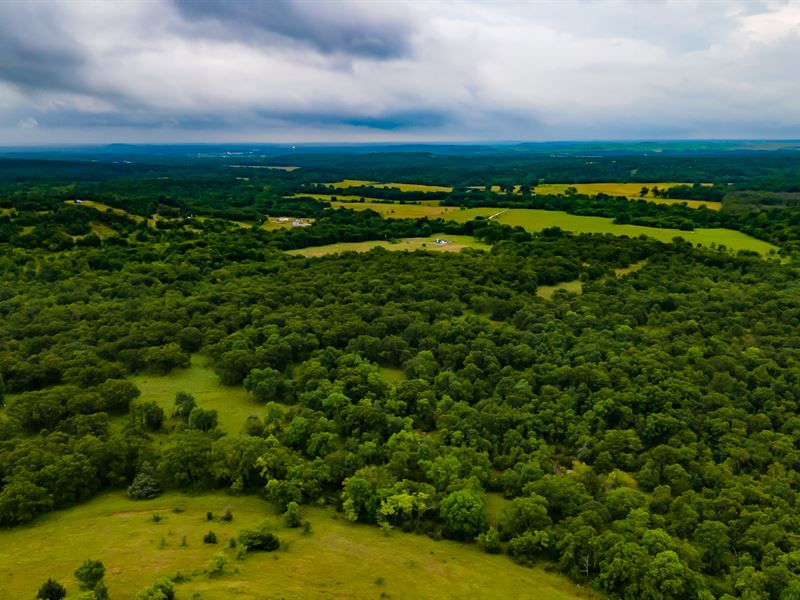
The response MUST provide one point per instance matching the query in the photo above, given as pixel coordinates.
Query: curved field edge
(338, 560)
(453, 243)
(536, 220)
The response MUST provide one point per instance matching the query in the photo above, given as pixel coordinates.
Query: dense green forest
(644, 433)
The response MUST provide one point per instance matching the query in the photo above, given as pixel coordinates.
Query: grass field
(536, 220)
(455, 243)
(105, 207)
(338, 560)
(233, 404)
(629, 190)
(404, 187)
(400, 211)
(547, 291)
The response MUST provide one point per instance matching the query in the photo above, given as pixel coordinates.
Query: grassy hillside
(454, 244)
(536, 220)
(338, 560)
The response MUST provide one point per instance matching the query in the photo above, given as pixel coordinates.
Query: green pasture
(233, 404)
(404, 187)
(455, 243)
(337, 560)
(536, 220)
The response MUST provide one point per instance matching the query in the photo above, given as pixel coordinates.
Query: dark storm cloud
(327, 27)
(36, 53)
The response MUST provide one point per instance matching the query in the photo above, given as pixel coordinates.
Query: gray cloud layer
(285, 70)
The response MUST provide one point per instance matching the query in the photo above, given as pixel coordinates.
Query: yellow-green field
(233, 404)
(399, 211)
(105, 208)
(547, 291)
(338, 560)
(404, 187)
(454, 244)
(629, 190)
(536, 220)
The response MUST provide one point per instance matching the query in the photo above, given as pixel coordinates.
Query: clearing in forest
(403, 187)
(233, 404)
(448, 243)
(105, 208)
(399, 211)
(536, 220)
(339, 559)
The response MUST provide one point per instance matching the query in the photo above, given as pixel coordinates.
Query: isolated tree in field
(643, 192)
(162, 589)
(204, 420)
(184, 404)
(144, 486)
(148, 415)
(90, 573)
(51, 590)
(463, 514)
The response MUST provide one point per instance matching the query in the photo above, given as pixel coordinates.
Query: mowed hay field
(233, 404)
(400, 211)
(454, 243)
(404, 187)
(338, 560)
(629, 190)
(536, 220)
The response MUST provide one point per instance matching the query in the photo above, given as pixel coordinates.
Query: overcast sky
(294, 71)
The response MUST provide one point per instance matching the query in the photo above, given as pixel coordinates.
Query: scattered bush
(144, 487)
(259, 538)
(217, 564)
(291, 518)
(210, 538)
(228, 515)
(209, 516)
(90, 573)
(51, 590)
(160, 590)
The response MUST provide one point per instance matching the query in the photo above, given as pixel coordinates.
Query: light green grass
(630, 268)
(536, 220)
(105, 208)
(392, 375)
(401, 211)
(628, 190)
(339, 559)
(547, 291)
(233, 404)
(405, 187)
(495, 503)
(455, 244)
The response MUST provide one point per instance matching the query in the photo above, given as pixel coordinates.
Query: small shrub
(89, 573)
(228, 515)
(216, 566)
(156, 517)
(143, 487)
(307, 528)
(232, 543)
(490, 541)
(210, 538)
(259, 538)
(51, 590)
(161, 590)
(209, 516)
(291, 518)
(183, 542)
(101, 591)
(179, 578)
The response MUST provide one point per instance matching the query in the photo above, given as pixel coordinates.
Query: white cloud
(463, 70)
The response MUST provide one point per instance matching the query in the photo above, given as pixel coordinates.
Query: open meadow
(403, 187)
(233, 404)
(536, 220)
(337, 560)
(454, 244)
